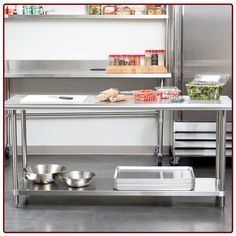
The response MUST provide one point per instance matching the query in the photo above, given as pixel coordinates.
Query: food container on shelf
(137, 178)
(108, 9)
(145, 95)
(154, 9)
(168, 92)
(94, 9)
(125, 10)
(206, 87)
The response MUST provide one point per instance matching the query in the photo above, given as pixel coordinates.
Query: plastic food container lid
(167, 88)
(203, 85)
(210, 79)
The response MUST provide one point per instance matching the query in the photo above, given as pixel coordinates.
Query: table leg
(217, 163)
(8, 147)
(7, 96)
(159, 150)
(23, 138)
(161, 132)
(14, 159)
(221, 150)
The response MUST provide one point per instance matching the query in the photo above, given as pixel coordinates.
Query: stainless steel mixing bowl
(43, 173)
(77, 179)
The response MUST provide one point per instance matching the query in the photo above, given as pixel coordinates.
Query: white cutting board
(52, 99)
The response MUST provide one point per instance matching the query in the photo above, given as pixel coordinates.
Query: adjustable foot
(158, 160)
(158, 157)
(16, 201)
(222, 203)
(8, 151)
(175, 161)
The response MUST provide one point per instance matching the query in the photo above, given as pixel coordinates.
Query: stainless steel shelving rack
(212, 187)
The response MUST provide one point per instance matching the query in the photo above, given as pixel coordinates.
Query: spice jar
(154, 58)
(137, 60)
(121, 60)
(161, 57)
(148, 58)
(116, 60)
(27, 10)
(142, 60)
(126, 59)
(111, 60)
(131, 60)
(11, 10)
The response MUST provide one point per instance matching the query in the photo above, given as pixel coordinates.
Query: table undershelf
(104, 187)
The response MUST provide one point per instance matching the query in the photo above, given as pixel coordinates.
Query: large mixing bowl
(77, 179)
(43, 173)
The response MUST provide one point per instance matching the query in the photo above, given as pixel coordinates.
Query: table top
(90, 103)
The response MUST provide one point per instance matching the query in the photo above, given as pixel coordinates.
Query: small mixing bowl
(77, 179)
(43, 173)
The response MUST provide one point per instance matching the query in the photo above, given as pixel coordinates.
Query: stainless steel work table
(214, 187)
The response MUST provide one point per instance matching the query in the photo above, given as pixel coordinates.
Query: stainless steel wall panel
(207, 47)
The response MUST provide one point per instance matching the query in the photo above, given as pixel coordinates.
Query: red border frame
(232, 71)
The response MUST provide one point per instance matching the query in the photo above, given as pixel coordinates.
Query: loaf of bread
(110, 92)
(112, 95)
(118, 98)
(102, 97)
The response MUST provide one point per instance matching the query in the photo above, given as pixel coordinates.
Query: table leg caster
(158, 160)
(8, 151)
(222, 203)
(175, 161)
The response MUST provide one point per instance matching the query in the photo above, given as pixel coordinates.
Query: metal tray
(154, 178)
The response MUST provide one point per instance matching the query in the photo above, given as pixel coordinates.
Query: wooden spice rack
(136, 69)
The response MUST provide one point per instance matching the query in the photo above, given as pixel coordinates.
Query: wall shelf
(67, 69)
(85, 74)
(87, 17)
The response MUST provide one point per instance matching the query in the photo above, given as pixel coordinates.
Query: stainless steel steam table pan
(154, 178)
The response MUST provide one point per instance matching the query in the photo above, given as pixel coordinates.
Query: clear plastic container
(154, 58)
(145, 95)
(126, 58)
(203, 91)
(206, 87)
(148, 57)
(111, 60)
(209, 79)
(168, 92)
(121, 60)
(161, 57)
(131, 60)
(116, 60)
(142, 60)
(137, 60)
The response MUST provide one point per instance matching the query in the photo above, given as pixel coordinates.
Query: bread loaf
(118, 98)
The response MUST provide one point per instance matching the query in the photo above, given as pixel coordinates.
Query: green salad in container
(206, 87)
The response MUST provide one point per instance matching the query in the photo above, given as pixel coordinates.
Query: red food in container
(168, 92)
(145, 95)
